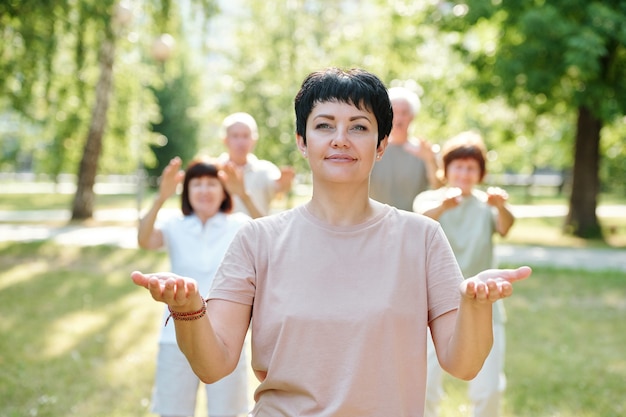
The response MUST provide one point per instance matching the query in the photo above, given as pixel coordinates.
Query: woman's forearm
(146, 224)
(213, 343)
(471, 340)
(253, 210)
(505, 220)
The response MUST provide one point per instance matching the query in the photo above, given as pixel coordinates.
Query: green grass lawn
(79, 339)
(565, 347)
(548, 231)
(28, 201)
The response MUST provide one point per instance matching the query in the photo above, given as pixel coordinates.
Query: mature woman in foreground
(339, 291)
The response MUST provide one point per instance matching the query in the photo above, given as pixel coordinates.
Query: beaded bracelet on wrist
(188, 316)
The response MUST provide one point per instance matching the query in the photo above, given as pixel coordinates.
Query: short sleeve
(444, 276)
(235, 279)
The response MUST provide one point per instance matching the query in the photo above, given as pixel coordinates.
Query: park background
(96, 96)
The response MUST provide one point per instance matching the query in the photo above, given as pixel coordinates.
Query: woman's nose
(341, 138)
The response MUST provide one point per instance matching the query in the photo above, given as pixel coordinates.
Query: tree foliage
(520, 72)
(560, 57)
(177, 130)
(60, 60)
(47, 66)
(399, 43)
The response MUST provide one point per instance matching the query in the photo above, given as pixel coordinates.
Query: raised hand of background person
(284, 183)
(423, 150)
(496, 197)
(149, 237)
(453, 197)
(493, 284)
(170, 178)
(232, 177)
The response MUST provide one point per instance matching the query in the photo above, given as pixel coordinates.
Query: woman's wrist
(189, 314)
(161, 198)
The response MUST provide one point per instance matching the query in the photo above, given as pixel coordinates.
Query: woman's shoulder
(238, 218)
(410, 218)
(273, 220)
(413, 228)
(172, 220)
(258, 232)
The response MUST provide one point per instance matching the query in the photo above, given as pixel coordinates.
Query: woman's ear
(380, 150)
(301, 144)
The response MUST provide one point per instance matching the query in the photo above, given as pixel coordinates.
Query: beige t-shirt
(340, 313)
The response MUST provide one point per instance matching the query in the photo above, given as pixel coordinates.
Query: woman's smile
(341, 157)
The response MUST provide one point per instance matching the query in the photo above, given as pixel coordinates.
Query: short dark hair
(197, 168)
(355, 86)
(465, 145)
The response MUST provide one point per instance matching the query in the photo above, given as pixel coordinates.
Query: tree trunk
(84, 198)
(582, 220)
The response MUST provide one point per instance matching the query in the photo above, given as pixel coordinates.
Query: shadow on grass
(80, 337)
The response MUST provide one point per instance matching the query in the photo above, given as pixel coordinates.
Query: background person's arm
(147, 236)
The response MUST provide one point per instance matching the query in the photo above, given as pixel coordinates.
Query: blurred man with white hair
(252, 182)
(409, 165)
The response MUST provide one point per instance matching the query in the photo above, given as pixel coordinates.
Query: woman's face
(341, 142)
(206, 195)
(464, 174)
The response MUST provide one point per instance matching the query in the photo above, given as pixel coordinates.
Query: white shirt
(196, 250)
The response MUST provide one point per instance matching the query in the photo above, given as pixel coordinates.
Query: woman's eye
(322, 126)
(360, 128)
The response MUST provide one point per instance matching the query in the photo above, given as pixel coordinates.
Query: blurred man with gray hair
(409, 165)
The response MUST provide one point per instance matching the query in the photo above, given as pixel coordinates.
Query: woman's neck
(204, 217)
(238, 160)
(341, 206)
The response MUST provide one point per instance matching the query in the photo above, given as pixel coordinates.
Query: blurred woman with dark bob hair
(196, 242)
